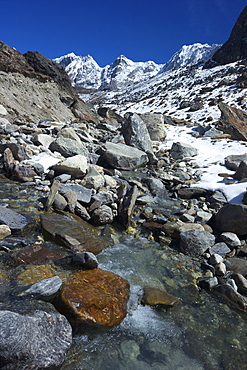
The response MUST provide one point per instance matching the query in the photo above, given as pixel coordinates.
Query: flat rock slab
(62, 228)
(95, 297)
(34, 341)
(17, 222)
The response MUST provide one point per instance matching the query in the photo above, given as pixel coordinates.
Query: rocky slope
(33, 88)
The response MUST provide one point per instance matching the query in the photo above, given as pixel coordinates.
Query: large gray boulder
(123, 157)
(182, 150)
(135, 133)
(233, 161)
(68, 147)
(241, 172)
(196, 242)
(75, 166)
(155, 125)
(38, 340)
(233, 218)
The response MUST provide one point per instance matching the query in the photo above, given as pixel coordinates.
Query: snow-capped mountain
(191, 55)
(83, 71)
(86, 73)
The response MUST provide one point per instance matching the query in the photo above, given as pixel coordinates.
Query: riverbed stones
(241, 283)
(230, 239)
(158, 298)
(182, 150)
(36, 340)
(58, 226)
(196, 242)
(228, 292)
(123, 157)
(102, 215)
(17, 222)
(237, 265)
(36, 254)
(45, 290)
(233, 218)
(4, 231)
(95, 297)
(85, 260)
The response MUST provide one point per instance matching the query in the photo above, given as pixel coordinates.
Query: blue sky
(140, 29)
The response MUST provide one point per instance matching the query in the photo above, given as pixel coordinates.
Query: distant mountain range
(85, 72)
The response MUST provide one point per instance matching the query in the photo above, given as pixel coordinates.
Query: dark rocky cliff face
(235, 48)
(48, 67)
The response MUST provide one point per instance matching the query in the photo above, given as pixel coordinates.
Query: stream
(202, 332)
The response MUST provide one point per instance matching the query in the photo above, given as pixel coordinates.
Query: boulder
(233, 121)
(75, 166)
(84, 195)
(68, 147)
(182, 150)
(43, 139)
(102, 215)
(233, 218)
(93, 179)
(136, 133)
(69, 133)
(174, 229)
(85, 237)
(233, 161)
(123, 157)
(155, 125)
(196, 242)
(37, 340)
(95, 297)
(241, 172)
(188, 193)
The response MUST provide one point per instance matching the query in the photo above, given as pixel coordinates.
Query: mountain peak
(191, 55)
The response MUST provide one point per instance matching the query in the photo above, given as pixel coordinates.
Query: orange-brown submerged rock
(94, 297)
(159, 298)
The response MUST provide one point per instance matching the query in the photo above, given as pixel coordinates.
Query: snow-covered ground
(211, 159)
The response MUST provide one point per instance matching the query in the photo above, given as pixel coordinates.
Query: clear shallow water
(202, 332)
